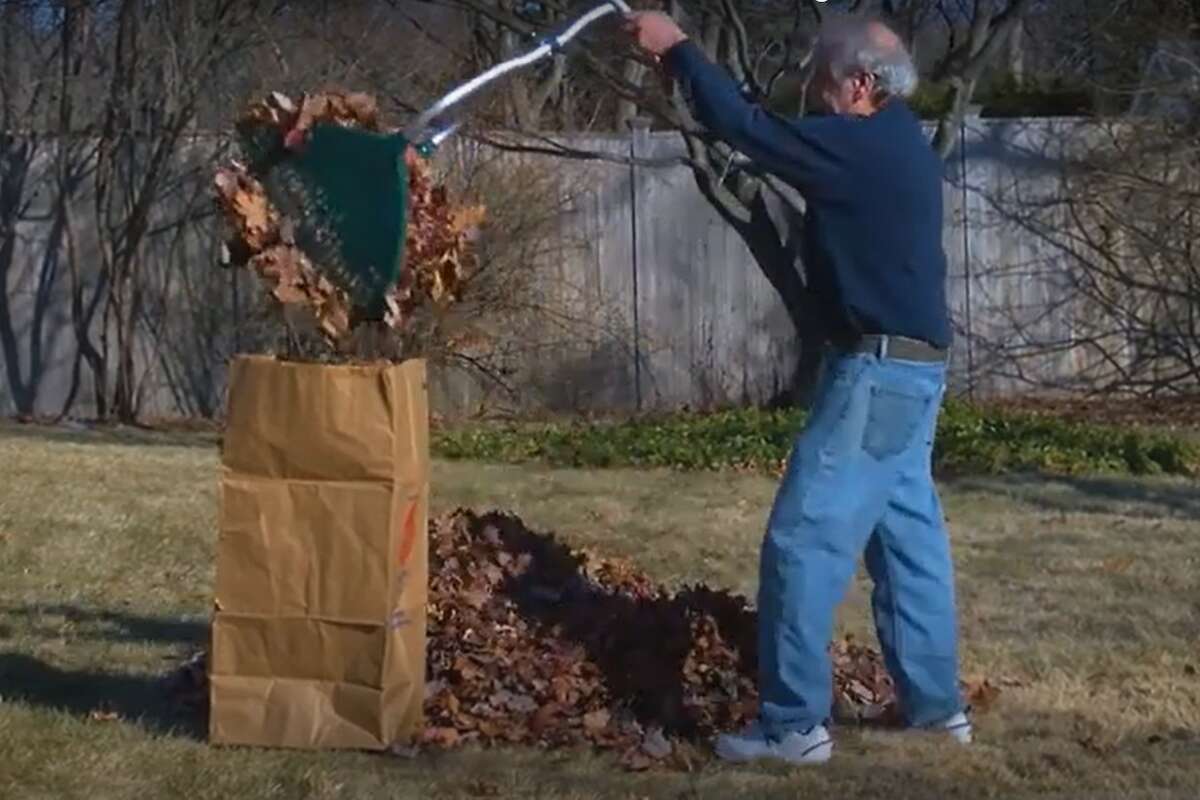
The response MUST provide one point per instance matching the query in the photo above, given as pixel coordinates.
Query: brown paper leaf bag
(319, 635)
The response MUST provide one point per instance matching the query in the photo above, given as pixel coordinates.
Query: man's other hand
(655, 32)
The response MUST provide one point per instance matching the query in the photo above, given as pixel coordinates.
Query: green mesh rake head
(347, 193)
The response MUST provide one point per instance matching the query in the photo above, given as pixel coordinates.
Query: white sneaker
(959, 728)
(751, 744)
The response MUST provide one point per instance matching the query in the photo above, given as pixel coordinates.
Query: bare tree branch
(552, 147)
(741, 47)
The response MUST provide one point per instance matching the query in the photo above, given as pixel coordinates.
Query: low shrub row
(970, 439)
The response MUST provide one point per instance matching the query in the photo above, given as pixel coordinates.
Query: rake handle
(548, 46)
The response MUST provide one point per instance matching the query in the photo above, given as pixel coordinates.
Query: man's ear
(864, 86)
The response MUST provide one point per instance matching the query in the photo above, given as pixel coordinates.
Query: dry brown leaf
(253, 208)
(363, 107)
(636, 761)
(475, 599)
(464, 220)
(291, 279)
(244, 204)
(1117, 564)
(981, 695)
(596, 721)
(441, 737)
(544, 718)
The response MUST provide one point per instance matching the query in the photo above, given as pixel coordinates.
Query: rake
(348, 187)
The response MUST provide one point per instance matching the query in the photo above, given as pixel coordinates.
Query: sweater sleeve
(802, 151)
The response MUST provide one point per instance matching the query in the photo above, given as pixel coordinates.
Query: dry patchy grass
(1084, 594)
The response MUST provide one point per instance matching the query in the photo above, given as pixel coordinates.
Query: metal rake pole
(548, 47)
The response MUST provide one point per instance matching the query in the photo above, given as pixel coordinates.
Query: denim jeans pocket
(893, 421)
(839, 384)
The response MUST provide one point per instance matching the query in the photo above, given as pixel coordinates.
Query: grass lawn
(1081, 595)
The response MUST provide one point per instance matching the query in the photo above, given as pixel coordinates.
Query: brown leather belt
(898, 347)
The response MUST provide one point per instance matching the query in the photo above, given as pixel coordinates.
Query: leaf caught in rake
(350, 224)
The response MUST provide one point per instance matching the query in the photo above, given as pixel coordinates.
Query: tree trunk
(1016, 55)
(635, 73)
(14, 158)
(778, 264)
(22, 399)
(124, 398)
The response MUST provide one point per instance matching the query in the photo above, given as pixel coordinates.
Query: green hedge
(970, 439)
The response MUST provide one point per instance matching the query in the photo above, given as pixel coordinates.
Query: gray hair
(851, 45)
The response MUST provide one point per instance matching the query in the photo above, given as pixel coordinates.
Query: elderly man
(859, 478)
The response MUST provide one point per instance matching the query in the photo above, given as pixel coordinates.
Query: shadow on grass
(96, 694)
(108, 435)
(148, 700)
(103, 625)
(1150, 497)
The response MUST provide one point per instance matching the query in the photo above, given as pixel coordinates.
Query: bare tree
(989, 27)
(75, 157)
(161, 60)
(521, 319)
(28, 55)
(1123, 221)
(97, 96)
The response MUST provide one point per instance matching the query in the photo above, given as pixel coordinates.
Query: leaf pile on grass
(537, 644)
(534, 643)
(970, 439)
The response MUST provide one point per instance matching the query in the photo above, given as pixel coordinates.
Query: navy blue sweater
(872, 246)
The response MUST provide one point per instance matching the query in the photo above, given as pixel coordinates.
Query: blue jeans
(860, 478)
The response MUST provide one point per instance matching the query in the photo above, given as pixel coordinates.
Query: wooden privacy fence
(702, 327)
(669, 307)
